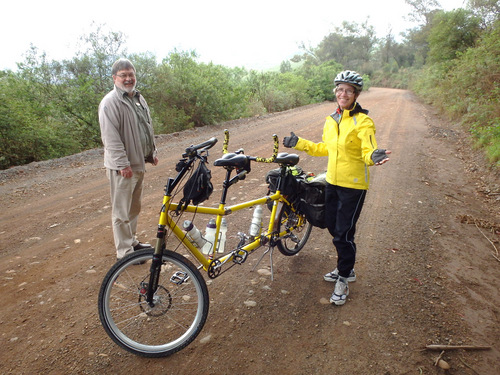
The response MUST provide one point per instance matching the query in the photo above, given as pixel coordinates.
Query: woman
(349, 142)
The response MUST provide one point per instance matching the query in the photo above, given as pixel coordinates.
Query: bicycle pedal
(179, 277)
(240, 256)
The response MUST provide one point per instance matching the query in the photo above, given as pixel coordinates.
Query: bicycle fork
(154, 271)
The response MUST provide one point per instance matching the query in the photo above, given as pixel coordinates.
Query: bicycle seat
(239, 161)
(287, 159)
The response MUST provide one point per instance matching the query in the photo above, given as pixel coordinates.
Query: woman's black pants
(342, 209)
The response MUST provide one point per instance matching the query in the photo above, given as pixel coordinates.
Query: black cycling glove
(290, 141)
(378, 156)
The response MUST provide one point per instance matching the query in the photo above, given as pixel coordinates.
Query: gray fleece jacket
(122, 131)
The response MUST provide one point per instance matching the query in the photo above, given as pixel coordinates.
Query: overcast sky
(257, 34)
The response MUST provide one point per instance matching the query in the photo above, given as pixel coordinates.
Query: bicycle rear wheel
(180, 304)
(298, 230)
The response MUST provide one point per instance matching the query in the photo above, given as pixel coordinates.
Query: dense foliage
(468, 88)
(48, 109)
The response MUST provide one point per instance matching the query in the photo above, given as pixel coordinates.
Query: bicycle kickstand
(270, 251)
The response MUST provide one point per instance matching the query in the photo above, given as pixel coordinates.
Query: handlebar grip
(226, 141)
(275, 152)
(191, 150)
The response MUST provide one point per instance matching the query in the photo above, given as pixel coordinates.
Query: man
(128, 138)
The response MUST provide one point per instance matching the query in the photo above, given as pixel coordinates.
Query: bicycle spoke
(298, 231)
(173, 319)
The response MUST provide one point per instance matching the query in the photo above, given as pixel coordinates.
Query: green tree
(351, 45)
(74, 88)
(488, 11)
(285, 66)
(451, 34)
(187, 93)
(390, 63)
(28, 130)
(320, 79)
(422, 10)
(261, 89)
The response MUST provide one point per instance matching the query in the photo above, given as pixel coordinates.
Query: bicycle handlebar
(275, 152)
(192, 150)
(255, 158)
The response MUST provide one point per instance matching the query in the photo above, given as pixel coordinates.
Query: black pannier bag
(199, 186)
(307, 194)
(291, 187)
(311, 201)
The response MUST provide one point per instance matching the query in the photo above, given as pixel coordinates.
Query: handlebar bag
(199, 186)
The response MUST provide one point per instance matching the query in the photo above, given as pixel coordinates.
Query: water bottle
(222, 235)
(194, 234)
(256, 224)
(209, 236)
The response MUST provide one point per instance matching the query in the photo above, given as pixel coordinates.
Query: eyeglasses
(341, 90)
(125, 76)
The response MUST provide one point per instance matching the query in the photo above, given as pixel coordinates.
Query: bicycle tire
(180, 310)
(296, 238)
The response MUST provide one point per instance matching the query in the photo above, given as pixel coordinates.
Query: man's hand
(126, 172)
(290, 141)
(152, 159)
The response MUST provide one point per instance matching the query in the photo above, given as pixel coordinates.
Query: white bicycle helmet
(351, 78)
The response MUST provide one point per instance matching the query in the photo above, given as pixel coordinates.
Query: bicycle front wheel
(298, 231)
(174, 318)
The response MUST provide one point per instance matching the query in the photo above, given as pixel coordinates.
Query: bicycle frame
(221, 211)
(269, 236)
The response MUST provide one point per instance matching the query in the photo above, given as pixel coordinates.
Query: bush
(468, 89)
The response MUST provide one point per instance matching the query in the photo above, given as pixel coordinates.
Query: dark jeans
(343, 207)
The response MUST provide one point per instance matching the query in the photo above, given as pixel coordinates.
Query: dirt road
(426, 268)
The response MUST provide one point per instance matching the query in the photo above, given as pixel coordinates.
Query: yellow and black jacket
(348, 141)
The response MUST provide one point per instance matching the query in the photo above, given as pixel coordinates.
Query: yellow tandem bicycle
(155, 302)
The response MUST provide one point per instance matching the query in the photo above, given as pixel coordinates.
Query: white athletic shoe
(334, 275)
(340, 292)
